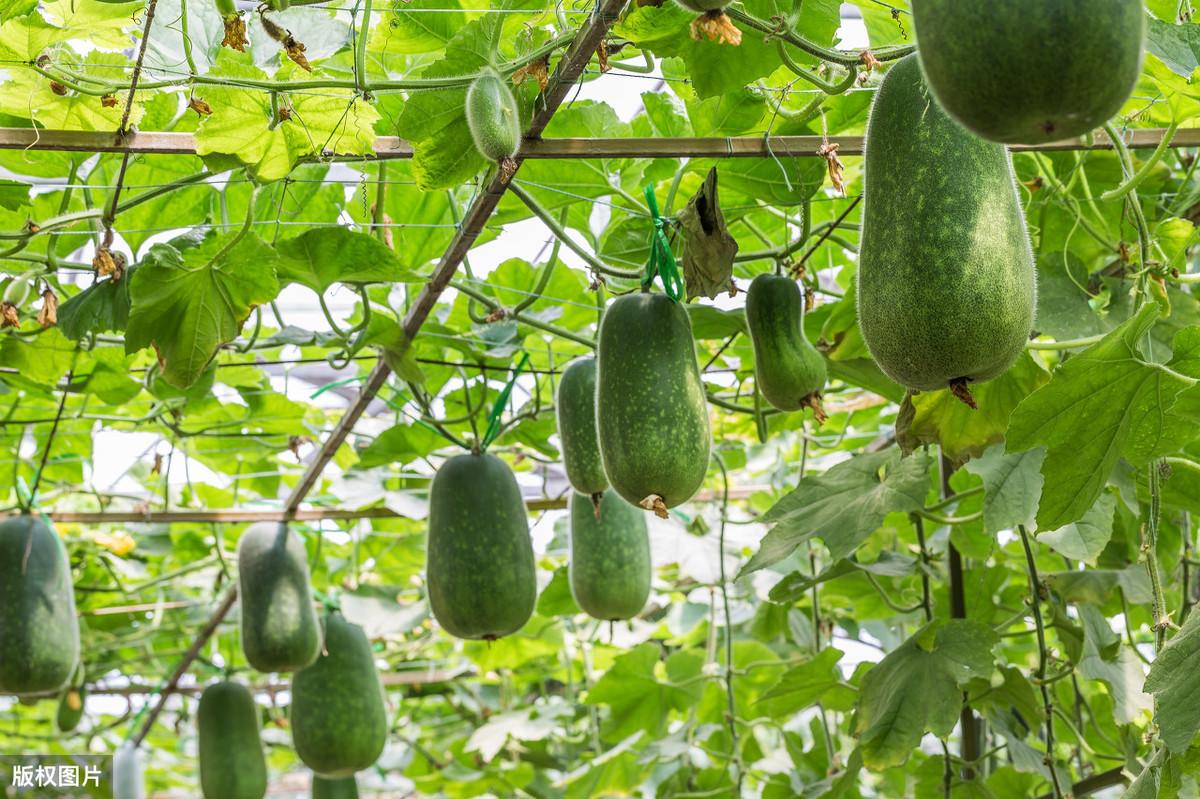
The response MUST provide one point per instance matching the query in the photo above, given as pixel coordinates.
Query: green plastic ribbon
(662, 261)
(493, 428)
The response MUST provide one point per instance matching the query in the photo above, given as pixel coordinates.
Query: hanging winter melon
(651, 407)
(1030, 71)
(479, 568)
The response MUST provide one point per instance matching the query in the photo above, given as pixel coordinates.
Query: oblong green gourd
(576, 410)
(609, 566)
(280, 628)
(946, 286)
(344, 788)
(789, 370)
(70, 708)
(651, 407)
(39, 631)
(493, 116)
(338, 716)
(232, 765)
(479, 557)
(1030, 71)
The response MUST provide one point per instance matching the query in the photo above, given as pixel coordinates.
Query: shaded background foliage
(826, 610)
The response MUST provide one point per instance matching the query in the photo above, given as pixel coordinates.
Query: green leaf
(1105, 403)
(1012, 484)
(917, 688)
(816, 679)
(843, 505)
(187, 304)
(1106, 659)
(400, 444)
(1172, 681)
(320, 257)
(243, 124)
(1177, 46)
(556, 598)
(794, 586)
(637, 697)
(1096, 586)
(1086, 538)
(14, 194)
(938, 417)
(100, 308)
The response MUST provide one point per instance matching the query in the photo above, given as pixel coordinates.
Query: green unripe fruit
(610, 557)
(576, 410)
(946, 287)
(231, 756)
(790, 372)
(39, 632)
(339, 720)
(493, 117)
(1030, 71)
(651, 407)
(70, 708)
(703, 6)
(479, 569)
(280, 628)
(345, 788)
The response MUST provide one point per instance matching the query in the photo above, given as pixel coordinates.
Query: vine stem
(560, 233)
(735, 755)
(780, 31)
(1162, 619)
(969, 724)
(62, 404)
(74, 80)
(492, 305)
(1035, 602)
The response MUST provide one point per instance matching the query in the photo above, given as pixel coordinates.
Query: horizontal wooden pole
(242, 516)
(391, 147)
(390, 679)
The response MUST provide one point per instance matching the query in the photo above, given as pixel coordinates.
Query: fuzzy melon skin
(946, 284)
(493, 117)
(1030, 71)
(339, 720)
(344, 788)
(280, 629)
(39, 631)
(788, 369)
(576, 409)
(703, 6)
(609, 566)
(651, 408)
(479, 557)
(232, 765)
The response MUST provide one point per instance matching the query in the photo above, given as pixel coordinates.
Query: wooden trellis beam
(564, 79)
(388, 148)
(243, 516)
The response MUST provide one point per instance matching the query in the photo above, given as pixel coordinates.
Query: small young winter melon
(493, 117)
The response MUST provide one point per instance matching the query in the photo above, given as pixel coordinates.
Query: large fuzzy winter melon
(946, 287)
(232, 765)
(1030, 71)
(39, 632)
(609, 566)
(280, 628)
(576, 410)
(339, 720)
(651, 407)
(479, 567)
